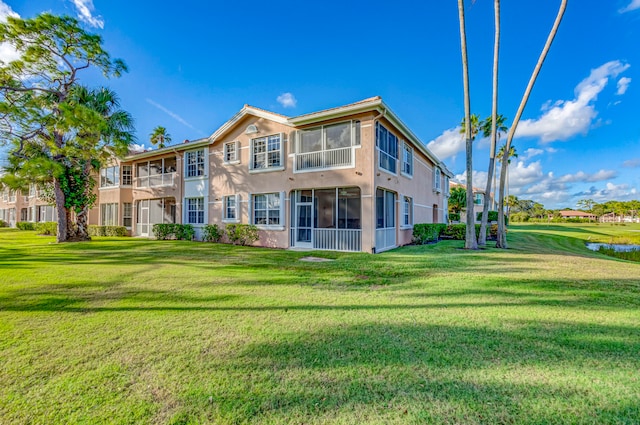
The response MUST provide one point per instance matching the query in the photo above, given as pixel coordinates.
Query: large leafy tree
(502, 234)
(470, 235)
(36, 114)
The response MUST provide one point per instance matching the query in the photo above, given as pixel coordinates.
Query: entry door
(304, 220)
(144, 218)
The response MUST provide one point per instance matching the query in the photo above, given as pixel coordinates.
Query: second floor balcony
(324, 159)
(155, 180)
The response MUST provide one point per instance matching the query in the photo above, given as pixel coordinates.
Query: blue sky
(193, 65)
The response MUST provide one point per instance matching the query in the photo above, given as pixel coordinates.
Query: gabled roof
(187, 144)
(245, 111)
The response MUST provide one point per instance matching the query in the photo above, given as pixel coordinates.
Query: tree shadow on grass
(423, 373)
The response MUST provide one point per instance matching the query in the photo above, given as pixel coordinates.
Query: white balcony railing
(338, 239)
(156, 180)
(342, 157)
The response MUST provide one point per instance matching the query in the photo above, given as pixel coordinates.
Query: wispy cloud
(623, 85)
(7, 52)
(635, 4)
(173, 115)
(583, 177)
(85, 13)
(448, 144)
(632, 163)
(287, 100)
(567, 118)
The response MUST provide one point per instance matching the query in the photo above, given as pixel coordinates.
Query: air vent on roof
(251, 129)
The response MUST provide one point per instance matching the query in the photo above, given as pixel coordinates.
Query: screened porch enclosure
(329, 219)
(154, 211)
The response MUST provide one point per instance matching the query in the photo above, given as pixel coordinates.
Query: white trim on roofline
(248, 110)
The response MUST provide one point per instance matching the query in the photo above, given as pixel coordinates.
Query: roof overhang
(246, 111)
(173, 148)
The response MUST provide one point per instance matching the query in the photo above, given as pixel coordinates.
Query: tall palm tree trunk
(63, 221)
(470, 241)
(502, 234)
(482, 237)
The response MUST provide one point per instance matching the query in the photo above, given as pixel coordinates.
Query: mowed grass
(135, 331)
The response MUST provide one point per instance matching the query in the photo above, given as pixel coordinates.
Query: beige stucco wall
(232, 179)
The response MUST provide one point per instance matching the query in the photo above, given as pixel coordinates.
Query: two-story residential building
(351, 178)
(28, 205)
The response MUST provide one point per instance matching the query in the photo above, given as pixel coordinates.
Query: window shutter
(295, 140)
(237, 148)
(238, 208)
(282, 218)
(250, 208)
(282, 149)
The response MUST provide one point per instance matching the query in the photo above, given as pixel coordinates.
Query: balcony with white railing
(325, 159)
(155, 180)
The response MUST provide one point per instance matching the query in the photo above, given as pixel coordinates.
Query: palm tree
(457, 199)
(586, 204)
(470, 241)
(502, 234)
(501, 129)
(500, 157)
(475, 126)
(159, 137)
(110, 127)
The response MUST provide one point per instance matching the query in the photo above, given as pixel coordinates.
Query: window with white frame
(387, 145)
(407, 159)
(126, 214)
(231, 152)
(195, 210)
(230, 208)
(110, 176)
(266, 152)
(446, 185)
(266, 209)
(195, 163)
(109, 214)
(407, 211)
(157, 172)
(32, 191)
(437, 177)
(478, 198)
(127, 175)
(12, 195)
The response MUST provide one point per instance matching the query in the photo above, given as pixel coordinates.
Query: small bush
(26, 225)
(185, 232)
(164, 231)
(107, 231)
(212, 233)
(47, 228)
(455, 231)
(242, 234)
(491, 216)
(427, 232)
(4, 223)
(454, 216)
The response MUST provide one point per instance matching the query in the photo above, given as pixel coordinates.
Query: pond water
(616, 247)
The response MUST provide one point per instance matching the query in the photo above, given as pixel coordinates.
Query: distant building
(577, 214)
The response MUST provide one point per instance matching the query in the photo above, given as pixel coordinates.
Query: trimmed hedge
(432, 232)
(242, 234)
(212, 233)
(454, 216)
(427, 232)
(26, 225)
(49, 228)
(4, 223)
(107, 231)
(164, 231)
(492, 216)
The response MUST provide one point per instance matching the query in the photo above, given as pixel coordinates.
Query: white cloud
(631, 163)
(287, 100)
(531, 152)
(619, 192)
(172, 115)
(137, 147)
(7, 52)
(85, 13)
(581, 176)
(623, 85)
(635, 4)
(448, 144)
(567, 118)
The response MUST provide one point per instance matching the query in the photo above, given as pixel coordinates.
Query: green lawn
(135, 331)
